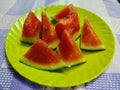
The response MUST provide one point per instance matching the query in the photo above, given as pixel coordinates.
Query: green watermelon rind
(54, 44)
(30, 39)
(42, 67)
(77, 35)
(85, 47)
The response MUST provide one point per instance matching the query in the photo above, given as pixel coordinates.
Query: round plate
(97, 61)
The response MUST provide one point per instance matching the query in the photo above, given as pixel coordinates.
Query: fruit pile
(54, 46)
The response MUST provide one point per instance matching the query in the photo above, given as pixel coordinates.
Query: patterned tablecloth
(11, 10)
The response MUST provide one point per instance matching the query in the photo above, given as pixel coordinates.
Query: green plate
(97, 61)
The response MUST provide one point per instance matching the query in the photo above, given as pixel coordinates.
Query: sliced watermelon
(31, 28)
(69, 50)
(41, 57)
(48, 32)
(89, 39)
(69, 23)
(65, 12)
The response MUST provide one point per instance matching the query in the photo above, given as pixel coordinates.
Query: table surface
(11, 10)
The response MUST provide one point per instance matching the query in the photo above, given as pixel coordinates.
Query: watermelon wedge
(65, 12)
(89, 39)
(31, 28)
(69, 23)
(48, 32)
(69, 50)
(41, 57)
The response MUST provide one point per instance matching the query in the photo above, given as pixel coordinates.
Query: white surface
(5, 6)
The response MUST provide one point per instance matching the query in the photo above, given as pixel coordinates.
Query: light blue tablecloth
(11, 10)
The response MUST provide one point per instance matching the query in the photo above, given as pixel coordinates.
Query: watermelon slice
(89, 39)
(69, 23)
(65, 12)
(48, 32)
(69, 50)
(41, 57)
(31, 28)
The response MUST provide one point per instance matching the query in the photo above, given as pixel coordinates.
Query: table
(11, 10)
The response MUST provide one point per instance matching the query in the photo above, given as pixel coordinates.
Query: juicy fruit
(42, 57)
(65, 12)
(68, 20)
(89, 39)
(48, 32)
(31, 28)
(69, 23)
(69, 50)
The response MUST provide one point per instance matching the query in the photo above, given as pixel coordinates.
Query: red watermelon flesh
(69, 50)
(41, 57)
(69, 23)
(65, 12)
(31, 28)
(48, 32)
(89, 39)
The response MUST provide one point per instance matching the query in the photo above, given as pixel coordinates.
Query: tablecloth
(11, 10)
